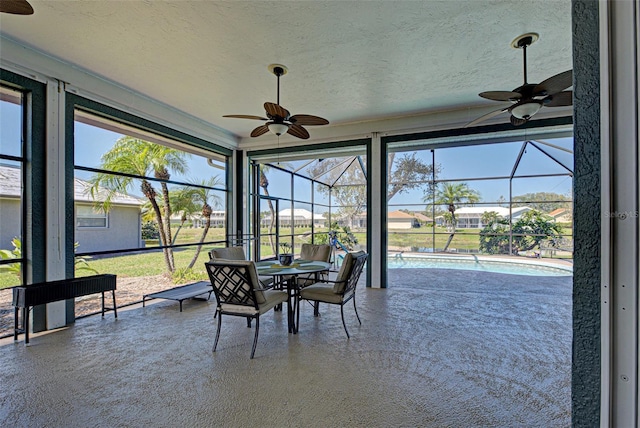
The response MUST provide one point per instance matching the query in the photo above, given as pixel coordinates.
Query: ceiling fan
(527, 99)
(279, 120)
(16, 7)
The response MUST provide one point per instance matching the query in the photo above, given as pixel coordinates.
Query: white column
(375, 171)
(56, 314)
(620, 86)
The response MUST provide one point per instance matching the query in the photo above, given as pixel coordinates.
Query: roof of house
(10, 186)
(422, 217)
(558, 211)
(397, 215)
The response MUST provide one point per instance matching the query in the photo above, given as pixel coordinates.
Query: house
(401, 220)
(217, 219)
(423, 219)
(561, 215)
(95, 230)
(471, 217)
(299, 217)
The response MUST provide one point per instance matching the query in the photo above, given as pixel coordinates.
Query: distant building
(217, 219)
(95, 230)
(561, 215)
(401, 220)
(422, 218)
(471, 217)
(299, 217)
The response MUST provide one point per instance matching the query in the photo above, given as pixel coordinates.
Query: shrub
(528, 232)
(150, 230)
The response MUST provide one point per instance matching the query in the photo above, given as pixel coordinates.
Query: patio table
(288, 275)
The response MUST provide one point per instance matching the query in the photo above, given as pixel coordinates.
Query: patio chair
(227, 253)
(239, 293)
(320, 253)
(237, 253)
(340, 290)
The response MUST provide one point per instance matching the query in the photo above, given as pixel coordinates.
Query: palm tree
(200, 194)
(451, 194)
(141, 158)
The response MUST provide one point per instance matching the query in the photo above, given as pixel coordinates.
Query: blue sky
(460, 163)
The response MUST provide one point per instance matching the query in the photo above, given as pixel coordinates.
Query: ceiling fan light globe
(525, 111)
(278, 128)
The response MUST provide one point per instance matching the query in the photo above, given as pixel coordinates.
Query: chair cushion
(320, 253)
(345, 271)
(272, 298)
(228, 253)
(321, 293)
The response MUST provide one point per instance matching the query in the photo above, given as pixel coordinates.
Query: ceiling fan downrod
(278, 71)
(523, 42)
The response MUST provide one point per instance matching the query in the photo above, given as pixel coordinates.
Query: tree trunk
(167, 220)
(206, 213)
(264, 183)
(168, 254)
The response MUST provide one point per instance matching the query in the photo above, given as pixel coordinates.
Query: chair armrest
(266, 286)
(327, 281)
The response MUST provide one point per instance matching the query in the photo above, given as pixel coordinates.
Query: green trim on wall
(73, 102)
(239, 174)
(69, 160)
(310, 147)
(384, 238)
(144, 124)
(542, 123)
(34, 224)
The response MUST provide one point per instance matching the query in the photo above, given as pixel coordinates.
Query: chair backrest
(349, 272)
(227, 253)
(320, 253)
(235, 282)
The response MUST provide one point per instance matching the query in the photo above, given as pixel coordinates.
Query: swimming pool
(479, 263)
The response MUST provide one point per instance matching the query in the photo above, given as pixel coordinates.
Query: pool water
(537, 268)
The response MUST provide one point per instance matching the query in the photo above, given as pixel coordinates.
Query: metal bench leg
(25, 324)
(115, 309)
(15, 323)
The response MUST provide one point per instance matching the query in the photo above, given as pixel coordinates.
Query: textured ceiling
(348, 61)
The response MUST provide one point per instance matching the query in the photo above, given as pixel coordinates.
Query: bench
(41, 293)
(182, 292)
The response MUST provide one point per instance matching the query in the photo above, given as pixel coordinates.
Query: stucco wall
(585, 384)
(10, 220)
(123, 232)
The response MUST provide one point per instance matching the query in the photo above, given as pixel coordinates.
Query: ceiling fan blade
(515, 121)
(501, 95)
(560, 99)
(554, 84)
(245, 116)
(487, 116)
(298, 131)
(16, 7)
(308, 120)
(276, 110)
(262, 129)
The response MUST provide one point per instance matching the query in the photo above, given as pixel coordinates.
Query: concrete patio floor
(438, 348)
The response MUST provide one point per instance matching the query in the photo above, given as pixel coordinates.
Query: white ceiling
(349, 61)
